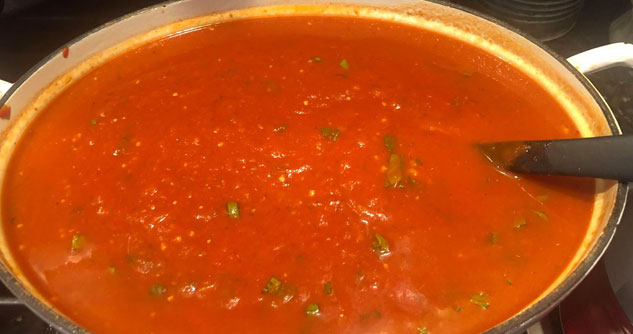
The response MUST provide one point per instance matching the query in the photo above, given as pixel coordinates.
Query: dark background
(31, 29)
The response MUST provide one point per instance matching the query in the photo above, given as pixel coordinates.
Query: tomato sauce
(292, 175)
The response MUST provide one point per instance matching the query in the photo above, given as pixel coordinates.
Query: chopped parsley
(233, 209)
(316, 59)
(157, 290)
(272, 286)
(327, 288)
(77, 243)
(380, 245)
(344, 64)
(541, 215)
(330, 133)
(313, 310)
(390, 142)
(480, 299)
(493, 237)
(519, 223)
(279, 289)
(395, 170)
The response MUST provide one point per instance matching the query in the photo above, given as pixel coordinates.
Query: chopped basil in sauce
(330, 133)
(313, 310)
(395, 170)
(344, 64)
(77, 243)
(458, 309)
(272, 286)
(282, 290)
(327, 288)
(390, 142)
(93, 122)
(493, 237)
(111, 270)
(423, 330)
(316, 59)
(541, 215)
(380, 245)
(157, 290)
(519, 223)
(480, 299)
(373, 314)
(233, 210)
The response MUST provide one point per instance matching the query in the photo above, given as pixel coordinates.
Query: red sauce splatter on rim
(5, 112)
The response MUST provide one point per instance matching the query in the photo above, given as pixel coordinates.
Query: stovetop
(31, 29)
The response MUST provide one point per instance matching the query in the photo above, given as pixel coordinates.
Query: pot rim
(518, 322)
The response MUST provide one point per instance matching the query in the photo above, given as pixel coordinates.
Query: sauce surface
(292, 175)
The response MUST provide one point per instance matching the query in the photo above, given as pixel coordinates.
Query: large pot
(565, 82)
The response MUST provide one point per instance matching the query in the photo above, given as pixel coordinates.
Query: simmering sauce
(292, 175)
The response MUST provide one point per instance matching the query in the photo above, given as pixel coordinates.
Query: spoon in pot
(609, 157)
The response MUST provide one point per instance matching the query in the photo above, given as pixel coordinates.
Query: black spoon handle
(609, 157)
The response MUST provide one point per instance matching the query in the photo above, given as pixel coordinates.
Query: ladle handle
(609, 157)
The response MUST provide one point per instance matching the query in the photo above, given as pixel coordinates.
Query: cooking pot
(563, 79)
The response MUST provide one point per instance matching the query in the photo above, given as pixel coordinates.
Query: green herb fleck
(111, 270)
(542, 215)
(279, 289)
(313, 310)
(493, 237)
(327, 288)
(480, 299)
(233, 210)
(330, 133)
(519, 223)
(77, 243)
(272, 286)
(390, 142)
(458, 309)
(395, 170)
(344, 64)
(316, 59)
(418, 162)
(93, 122)
(281, 128)
(373, 314)
(423, 330)
(508, 281)
(272, 87)
(360, 275)
(157, 290)
(380, 245)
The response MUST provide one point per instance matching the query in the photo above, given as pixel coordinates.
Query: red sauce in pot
(292, 175)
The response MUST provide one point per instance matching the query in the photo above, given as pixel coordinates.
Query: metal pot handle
(4, 87)
(610, 55)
